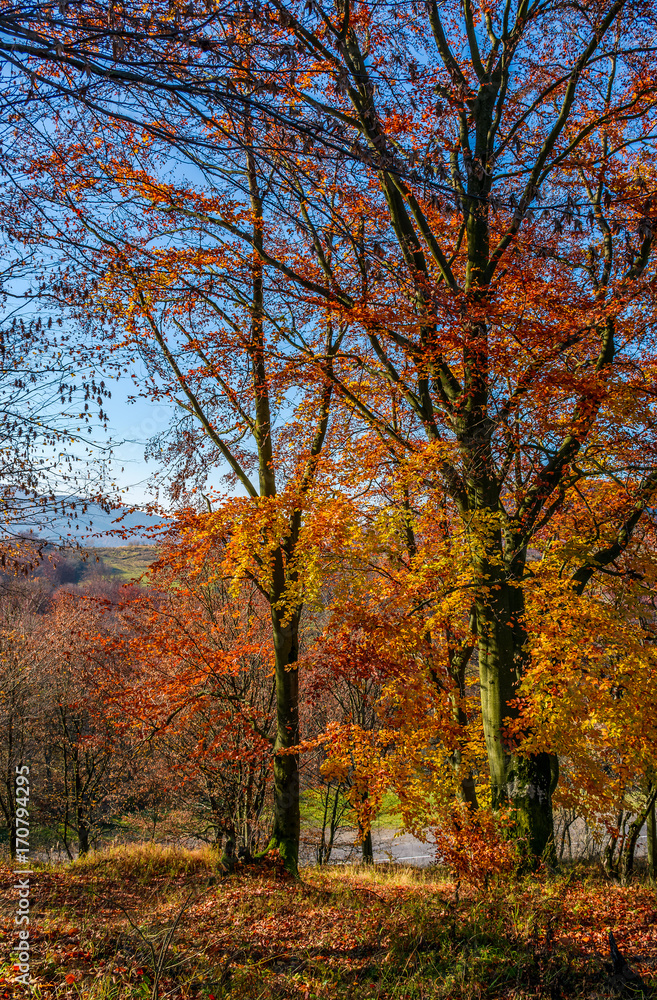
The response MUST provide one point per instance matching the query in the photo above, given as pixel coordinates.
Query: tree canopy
(396, 265)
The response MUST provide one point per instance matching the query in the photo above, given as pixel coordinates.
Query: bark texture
(286, 828)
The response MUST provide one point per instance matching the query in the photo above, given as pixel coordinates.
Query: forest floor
(145, 921)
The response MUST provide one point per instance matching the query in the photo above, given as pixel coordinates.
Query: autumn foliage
(395, 269)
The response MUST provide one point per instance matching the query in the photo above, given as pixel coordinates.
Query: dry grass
(340, 932)
(144, 861)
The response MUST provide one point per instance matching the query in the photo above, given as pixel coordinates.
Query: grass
(145, 863)
(123, 562)
(103, 926)
(312, 811)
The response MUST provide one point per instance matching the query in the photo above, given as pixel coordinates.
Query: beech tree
(467, 195)
(205, 331)
(88, 751)
(514, 310)
(199, 684)
(48, 425)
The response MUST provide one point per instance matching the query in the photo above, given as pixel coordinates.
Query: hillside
(76, 520)
(62, 566)
(124, 563)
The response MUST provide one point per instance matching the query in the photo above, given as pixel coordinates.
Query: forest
(389, 268)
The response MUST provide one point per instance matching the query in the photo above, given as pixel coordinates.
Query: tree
(343, 687)
(476, 215)
(592, 657)
(513, 338)
(394, 654)
(210, 339)
(20, 699)
(51, 404)
(88, 750)
(48, 426)
(200, 686)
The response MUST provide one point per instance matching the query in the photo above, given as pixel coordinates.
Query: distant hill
(91, 526)
(62, 566)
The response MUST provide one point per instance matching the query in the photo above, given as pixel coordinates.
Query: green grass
(123, 562)
(312, 811)
(388, 815)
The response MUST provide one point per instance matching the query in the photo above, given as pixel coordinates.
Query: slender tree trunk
(565, 834)
(81, 823)
(629, 847)
(457, 663)
(467, 790)
(322, 844)
(83, 838)
(610, 849)
(285, 623)
(652, 842)
(326, 848)
(287, 822)
(12, 837)
(367, 849)
(9, 809)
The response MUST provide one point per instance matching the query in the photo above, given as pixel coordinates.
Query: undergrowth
(147, 922)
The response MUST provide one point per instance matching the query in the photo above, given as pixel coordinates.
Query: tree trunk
(321, 851)
(368, 850)
(83, 838)
(627, 857)
(610, 848)
(522, 782)
(326, 848)
(9, 809)
(457, 663)
(467, 790)
(82, 815)
(81, 823)
(12, 837)
(652, 842)
(286, 829)
(365, 837)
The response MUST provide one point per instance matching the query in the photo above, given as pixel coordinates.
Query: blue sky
(131, 424)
